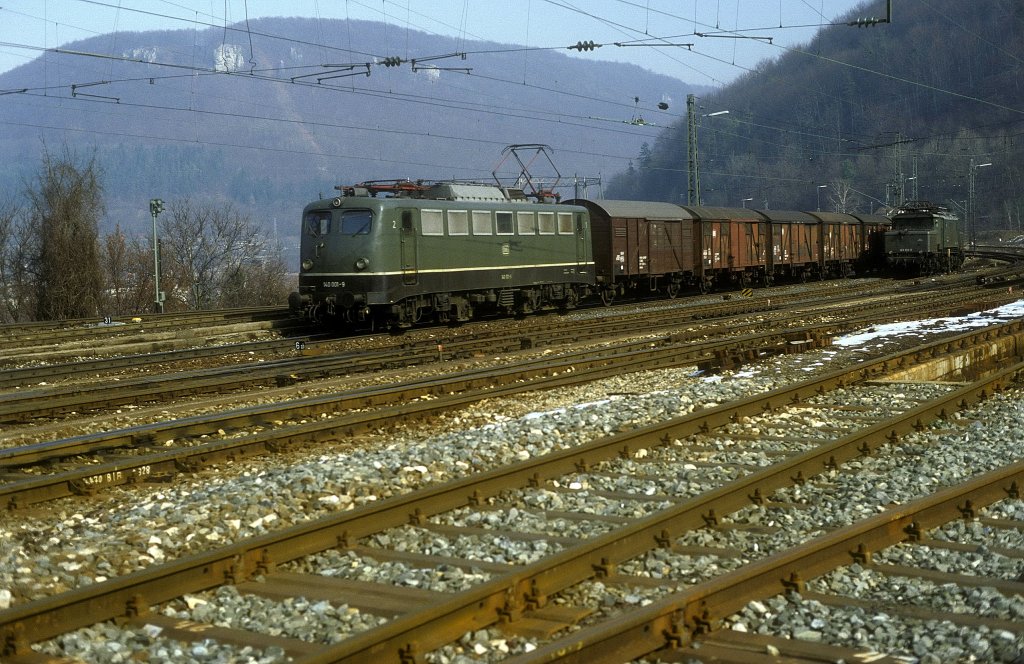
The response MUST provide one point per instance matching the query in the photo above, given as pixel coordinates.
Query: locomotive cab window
(482, 222)
(504, 222)
(458, 222)
(356, 222)
(318, 223)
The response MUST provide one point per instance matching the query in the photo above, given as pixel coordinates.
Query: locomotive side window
(546, 223)
(432, 222)
(481, 222)
(565, 226)
(504, 221)
(318, 223)
(527, 223)
(356, 222)
(458, 222)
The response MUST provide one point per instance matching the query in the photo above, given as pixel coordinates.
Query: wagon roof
(790, 216)
(873, 218)
(835, 217)
(634, 209)
(734, 213)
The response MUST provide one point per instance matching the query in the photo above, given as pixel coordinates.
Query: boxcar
(640, 246)
(732, 245)
(795, 245)
(840, 243)
(872, 241)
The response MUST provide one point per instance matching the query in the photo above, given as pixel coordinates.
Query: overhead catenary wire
(383, 5)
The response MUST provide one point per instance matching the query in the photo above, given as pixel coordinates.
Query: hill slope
(857, 111)
(190, 114)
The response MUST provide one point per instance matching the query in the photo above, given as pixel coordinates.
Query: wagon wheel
(607, 296)
(672, 290)
(705, 286)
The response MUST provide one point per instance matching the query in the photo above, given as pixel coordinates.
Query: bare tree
(127, 270)
(65, 203)
(17, 247)
(219, 258)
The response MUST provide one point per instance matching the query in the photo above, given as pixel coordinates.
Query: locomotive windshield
(318, 222)
(356, 222)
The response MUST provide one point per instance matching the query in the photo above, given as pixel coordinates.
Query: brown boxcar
(732, 245)
(840, 242)
(871, 257)
(640, 246)
(796, 244)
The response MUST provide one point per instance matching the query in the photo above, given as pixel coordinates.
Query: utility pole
(693, 184)
(897, 173)
(156, 206)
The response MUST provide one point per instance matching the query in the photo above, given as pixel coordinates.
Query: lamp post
(692, 169)
(818, 192)
(972, 221)
(745, 201)
(156, 206)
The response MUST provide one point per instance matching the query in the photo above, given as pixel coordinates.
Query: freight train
(393, 254)
(924, 239)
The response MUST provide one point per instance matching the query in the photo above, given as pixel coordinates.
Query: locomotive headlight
(307, 264)
(362, 263)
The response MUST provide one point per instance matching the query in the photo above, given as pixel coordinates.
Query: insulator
(585, 46)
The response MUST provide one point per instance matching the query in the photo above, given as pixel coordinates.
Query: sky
(734, 34)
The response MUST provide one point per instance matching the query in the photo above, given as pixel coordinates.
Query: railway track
(29, 338)
(25, 405)
(544, 603)
(138, 454)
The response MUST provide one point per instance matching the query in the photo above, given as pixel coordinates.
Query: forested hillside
(862, 116)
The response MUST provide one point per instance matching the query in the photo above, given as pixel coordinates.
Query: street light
(692, 170)
(156, 206)
(818, 192)
(745, 201)
(970, 200)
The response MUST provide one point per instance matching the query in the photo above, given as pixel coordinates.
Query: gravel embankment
(76, 544)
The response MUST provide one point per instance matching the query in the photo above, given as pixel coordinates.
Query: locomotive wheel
(572, 298)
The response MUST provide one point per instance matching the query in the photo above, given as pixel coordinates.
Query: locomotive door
(409, 257)
(581, 243)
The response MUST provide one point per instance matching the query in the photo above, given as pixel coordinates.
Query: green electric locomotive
(392, 254)
(924, 239)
